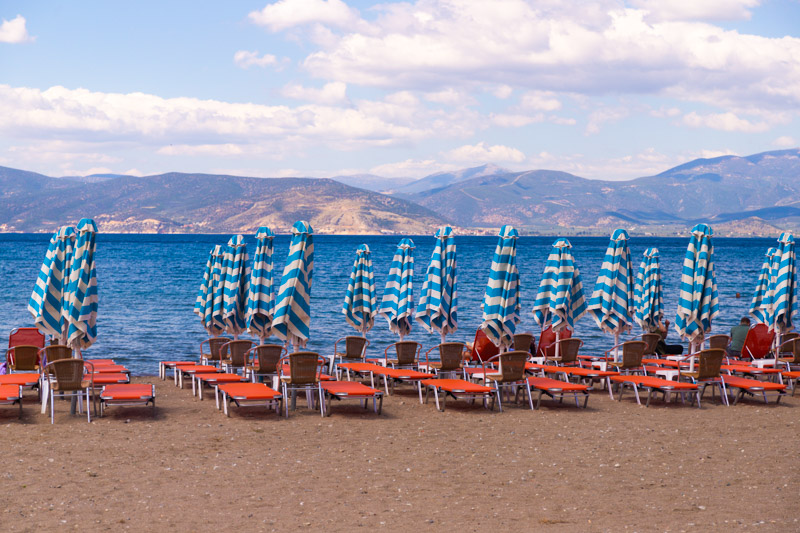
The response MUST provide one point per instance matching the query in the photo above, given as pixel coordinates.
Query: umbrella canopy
(560, 301)
(649, 302)
(47, 302)
(612, 302)
(783, 291)
(761, 305)
(293, 310)
(236, 285)
(438, 300)
(82, 292)
(397, 304)
(501, 303)
(204, 303)
(360, 304)
(261, 298)
(698, 303)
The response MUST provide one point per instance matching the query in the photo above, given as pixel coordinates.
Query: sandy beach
(613, 466)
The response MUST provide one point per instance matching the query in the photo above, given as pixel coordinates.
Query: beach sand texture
(612, 467)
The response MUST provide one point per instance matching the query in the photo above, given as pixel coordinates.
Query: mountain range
(753, 195)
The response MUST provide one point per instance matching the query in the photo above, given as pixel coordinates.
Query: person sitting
(738, 336)
(662, 348)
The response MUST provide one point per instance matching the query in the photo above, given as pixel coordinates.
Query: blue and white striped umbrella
(438, 300)
(261, 298)
(47, 303)
(698, 302)
(360, 304)
(612, 303)
(761, 304)
(397, 304)
(211, 316)
(501, 302)
(784, 290)
(293, 310)
(559, 300)
(649, 301)
(236, 285)
(204, 302)
(82, 300)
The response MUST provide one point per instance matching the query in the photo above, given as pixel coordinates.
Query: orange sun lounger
(793, 377)
(190, 370)
(128, 394)
(753, 386)
(653, 384)
(248, 395)
(457, 388)
(574, 371)
(213, 379)
(390, 375)
(23, 379)
(556, 388)
(11, 394)
(350, 389)
(163, 366)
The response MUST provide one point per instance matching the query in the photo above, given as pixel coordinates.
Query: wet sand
(611, 467)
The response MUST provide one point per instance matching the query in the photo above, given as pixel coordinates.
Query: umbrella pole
(558, 338)
(616, 346)
(692, 350)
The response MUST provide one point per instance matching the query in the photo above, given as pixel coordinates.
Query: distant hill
(441, 180)
(372, 182)
(201, 203)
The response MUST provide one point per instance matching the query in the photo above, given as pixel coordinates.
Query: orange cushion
(551, 384)
(793, 374)
(173, 364)
(198, 369)
(219, 377)
(360, 367)
(9, 393)
(127, 392)
(25, 379)
(457, 386)
(654, 382)
(751, 384)
(106, 379)
(581, 372)
(348, 388)
(399, 373)
(249, 391)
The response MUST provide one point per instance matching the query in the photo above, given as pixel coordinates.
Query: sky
(605, 90)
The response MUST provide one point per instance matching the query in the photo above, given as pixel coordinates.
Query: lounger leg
(499, 391)
(724, 392)
(88, 408)
(436, 395)
(419, 388)
(322, 400)
(216, 396)
(225, 405)
(530, 397)
(608, 384)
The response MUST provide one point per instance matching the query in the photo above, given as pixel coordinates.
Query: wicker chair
(301, 371)
(792, 360)
(233, 355)
(632, 354)
(211, 355)
(22, 358)
(510, 374)
(451, 357)
(567, 350)
(407, 353)
(262, 361)
(719, 341)
(355, 350)
(652, 340)
(68, 377)
(708, 372)
(55, 352)
(524, 342)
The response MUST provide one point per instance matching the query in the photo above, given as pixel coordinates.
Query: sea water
(147, 287)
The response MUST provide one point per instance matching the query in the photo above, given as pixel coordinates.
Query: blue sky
(607, 89)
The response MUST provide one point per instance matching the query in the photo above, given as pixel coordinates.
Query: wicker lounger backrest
(796, 351)
(407, 352)
(719, 341)
(215, 345)
(568, 349)
(355, 347)
(632, 353)
(523, 342)
(450, 354)
(709, 363)
(23, 357)
(56, 352)
(236, 351)
(511, 365)
(304, 368)
(651, 339)
(67, 374)
(268, 356)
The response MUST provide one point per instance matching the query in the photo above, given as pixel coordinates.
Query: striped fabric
(783, 291)
(761, 305)
(47, 304)
(612, 303)
(501, 304)
(438, 300)
(397, 304)
(698, 302)
(360, 304)
(235, 285)
(261, 298)
(559, 300)
(82, 293)
(293, 310)
(205, 286)
(649, 302)
(204, 304)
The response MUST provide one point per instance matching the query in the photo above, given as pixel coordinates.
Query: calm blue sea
(148, 285)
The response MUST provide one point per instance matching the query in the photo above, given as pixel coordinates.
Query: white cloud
(603, 115)
(481, 153)
(414, 168)
(503, 91)
(247, 59)
(14, 31)
(697, 10)
(540, 101)
(450, 96)
(333, 93)
(724, 122)
(511, 120)
(285, 14)
(226, 149)
(785, 141)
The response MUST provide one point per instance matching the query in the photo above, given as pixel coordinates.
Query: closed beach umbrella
(397, 304)
(612, 303)
(560, 301)
(698, 302)
(649, 302)
(784, 295)
(438, 300)
(761, 305)
(261, 298)
(81, 297)
(360, 303)
(236, 285)
(293, 309)
(501, 303)
(204, 304)
(47, 302)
